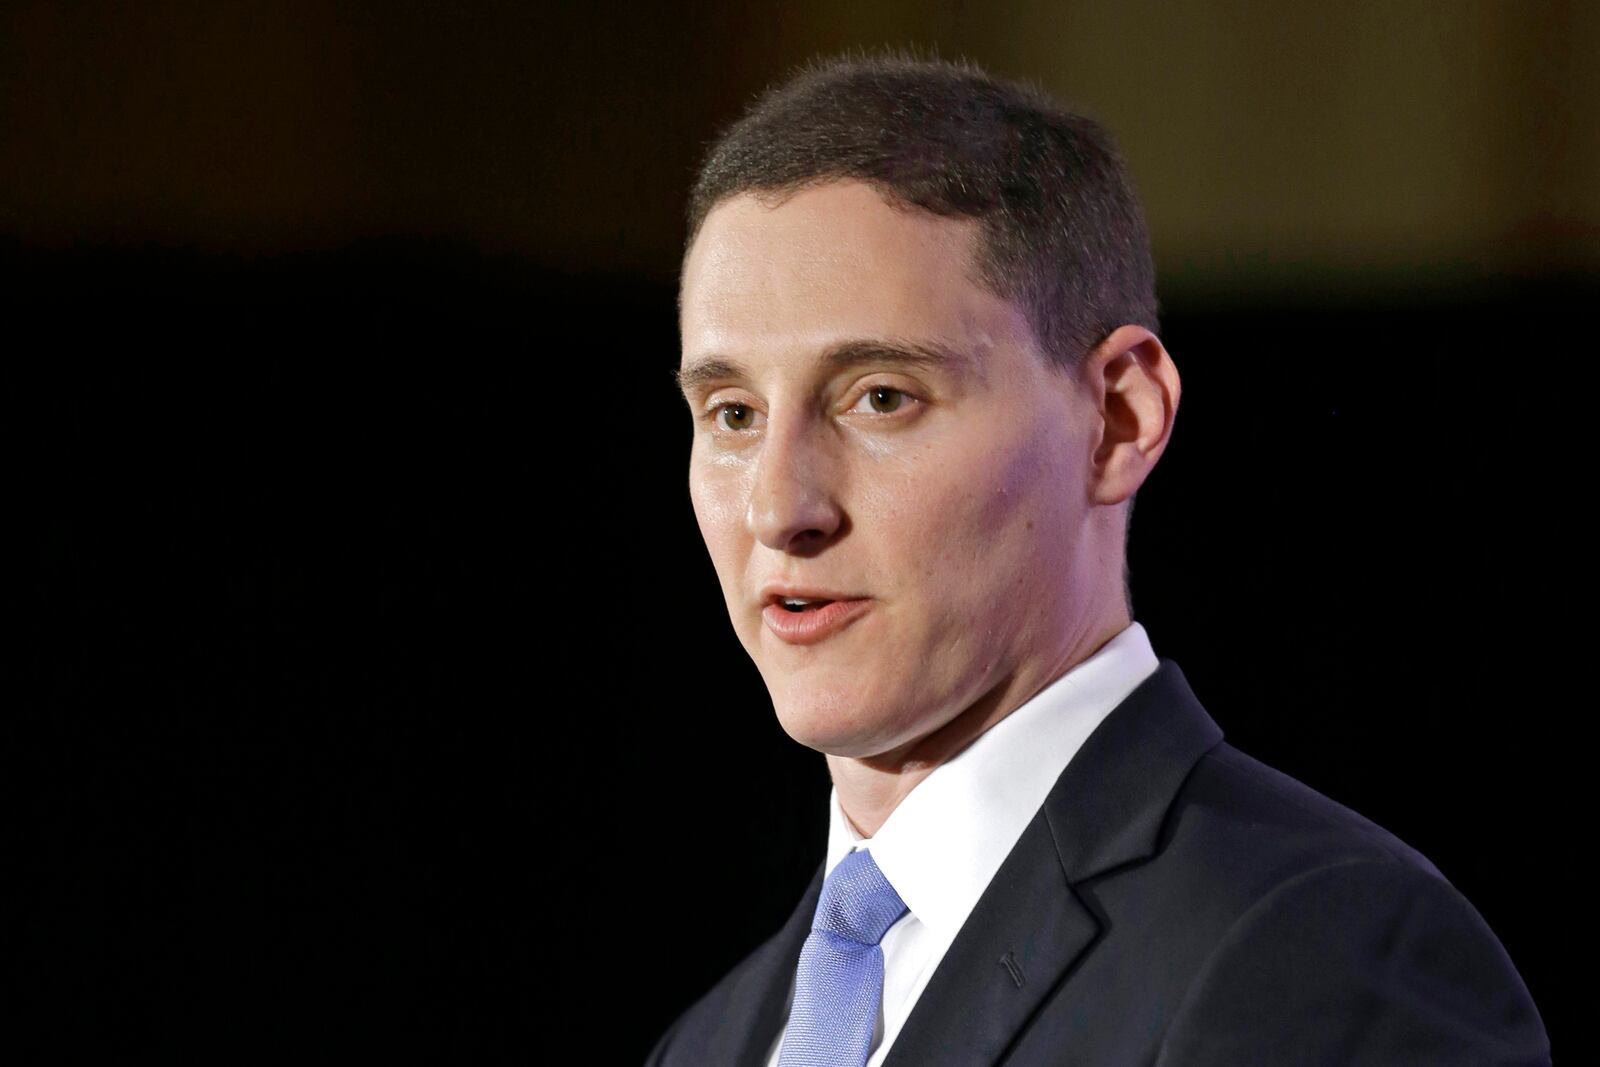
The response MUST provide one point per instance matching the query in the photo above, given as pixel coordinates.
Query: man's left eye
(884, 399)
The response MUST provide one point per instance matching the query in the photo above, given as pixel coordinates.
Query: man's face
(944, 498)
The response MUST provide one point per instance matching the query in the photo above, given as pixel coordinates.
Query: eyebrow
(846, 355)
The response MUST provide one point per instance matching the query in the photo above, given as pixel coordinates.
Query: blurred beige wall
(1403, 143)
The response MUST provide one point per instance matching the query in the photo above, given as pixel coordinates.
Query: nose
(793, 507)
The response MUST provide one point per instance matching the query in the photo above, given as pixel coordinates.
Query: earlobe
(1137, 385)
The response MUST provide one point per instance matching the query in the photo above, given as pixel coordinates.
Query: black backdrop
(372, 691)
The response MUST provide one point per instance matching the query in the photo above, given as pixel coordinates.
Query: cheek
(984, 522)
(718, 499)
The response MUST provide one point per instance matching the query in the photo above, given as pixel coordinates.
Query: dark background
(371, 690)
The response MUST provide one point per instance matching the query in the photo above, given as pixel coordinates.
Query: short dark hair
(1062, 233)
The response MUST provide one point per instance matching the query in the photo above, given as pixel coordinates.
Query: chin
(831, 730)
(814, 731)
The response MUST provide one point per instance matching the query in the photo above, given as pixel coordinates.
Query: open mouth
(798, 620)
(796, 606)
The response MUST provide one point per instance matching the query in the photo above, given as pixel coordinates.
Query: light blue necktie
(839, 982)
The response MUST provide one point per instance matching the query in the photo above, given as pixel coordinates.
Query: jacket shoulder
(1271, 822)
(1361, 961)
(1329, 936)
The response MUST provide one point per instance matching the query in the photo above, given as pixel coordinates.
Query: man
(920, 347)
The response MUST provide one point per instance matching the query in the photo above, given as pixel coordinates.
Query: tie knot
(857, 901)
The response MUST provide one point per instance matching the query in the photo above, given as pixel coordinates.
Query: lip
(819, 624)
(773, 592)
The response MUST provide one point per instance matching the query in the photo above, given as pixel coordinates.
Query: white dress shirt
(944, 842)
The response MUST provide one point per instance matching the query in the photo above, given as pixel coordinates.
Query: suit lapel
(1029, 927)
(1023, 935)
(755, 1008)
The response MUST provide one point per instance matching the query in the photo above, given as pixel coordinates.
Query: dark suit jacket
(1175, 902)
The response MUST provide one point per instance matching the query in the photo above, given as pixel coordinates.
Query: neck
(870, 788)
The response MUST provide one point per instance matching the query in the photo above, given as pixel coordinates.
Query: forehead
(833, 263)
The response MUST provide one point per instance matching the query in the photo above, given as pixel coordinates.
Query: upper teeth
(795, 600)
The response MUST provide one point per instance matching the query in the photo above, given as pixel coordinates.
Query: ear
(1135, 385)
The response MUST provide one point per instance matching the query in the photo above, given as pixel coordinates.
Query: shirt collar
(943, 843)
